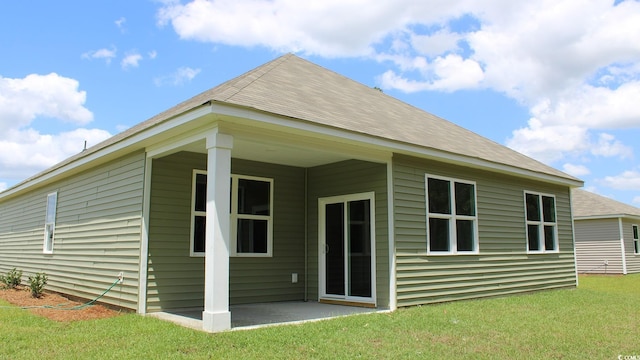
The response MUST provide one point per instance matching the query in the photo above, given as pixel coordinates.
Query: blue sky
(556, 80)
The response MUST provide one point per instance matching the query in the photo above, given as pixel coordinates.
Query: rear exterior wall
(502, 265)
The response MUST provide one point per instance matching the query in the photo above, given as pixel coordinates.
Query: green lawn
(599, 320)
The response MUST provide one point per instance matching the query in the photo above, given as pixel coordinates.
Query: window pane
(549, 238)
(533, 232)
(465, 200)
(548, 209)
(635, 232)
(51, 208)
(464, 235)
(438, 234)
(199, 226)
(359, 227)
(533, 207)
(253, 197)
(252, 236)
(439, 196)
(201, 193)
(48, 242)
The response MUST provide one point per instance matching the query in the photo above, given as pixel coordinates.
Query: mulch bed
(21, 297)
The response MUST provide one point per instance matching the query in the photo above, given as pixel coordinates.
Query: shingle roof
(296, 88)
(588, 204)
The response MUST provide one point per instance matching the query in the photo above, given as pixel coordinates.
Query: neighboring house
(607, 234)
(291, 182)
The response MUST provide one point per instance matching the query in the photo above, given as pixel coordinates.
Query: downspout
(306, 236)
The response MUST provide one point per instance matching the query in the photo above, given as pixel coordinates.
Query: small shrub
(37, 283)
(12, 279)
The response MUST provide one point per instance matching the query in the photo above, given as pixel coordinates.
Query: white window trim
(636, 241)
(50, 226)
(541, 224)
(195, 213)
(235, 217)
(453, 243)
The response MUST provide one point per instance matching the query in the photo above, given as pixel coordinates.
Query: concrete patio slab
(250, 316)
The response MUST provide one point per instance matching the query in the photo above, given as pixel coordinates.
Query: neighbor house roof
(298, 89)
(586, 204)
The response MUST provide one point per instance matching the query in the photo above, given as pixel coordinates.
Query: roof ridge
(241, 82)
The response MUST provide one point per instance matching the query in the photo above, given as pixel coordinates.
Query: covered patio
(252, 316)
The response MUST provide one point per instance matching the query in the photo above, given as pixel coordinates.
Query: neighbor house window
(251, 215)
(542, 233)
(636, 241)
(198, 212)
(50, 223)
(452, 224)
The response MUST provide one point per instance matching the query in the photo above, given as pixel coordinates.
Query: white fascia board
(403, 148)
(123, 144)
(171, 145)
(604, 217)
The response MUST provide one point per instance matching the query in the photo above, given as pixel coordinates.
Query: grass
(599, 320)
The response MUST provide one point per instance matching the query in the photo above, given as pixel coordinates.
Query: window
(636, 241)
(541, 222)
(250, 215)
(451, 216)
(198, 212)
(50, 223)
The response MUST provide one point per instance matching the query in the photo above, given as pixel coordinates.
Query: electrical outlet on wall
(294, 278)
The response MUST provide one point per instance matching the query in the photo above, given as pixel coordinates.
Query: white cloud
(120, 23)
(52, 95)
(104, 53)
(3, 186)
(628, 180)
(131, 60)
(548, 143)
(440, 42)
(25, 152)
(551, 143)
(448, 73)
(152, 54)
(608, 146)
(636, 200)
(576, 170)
(592, 107)
(179, 77)
(327, 28)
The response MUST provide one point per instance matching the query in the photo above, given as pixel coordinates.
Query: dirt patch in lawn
(53, 306)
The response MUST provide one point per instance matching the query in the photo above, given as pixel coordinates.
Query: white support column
(216, 315)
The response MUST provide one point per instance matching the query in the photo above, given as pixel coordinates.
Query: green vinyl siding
(176, 280)
(344, 178)
(502, 265)
(597, 241)
(265, 279)
(97, 232)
